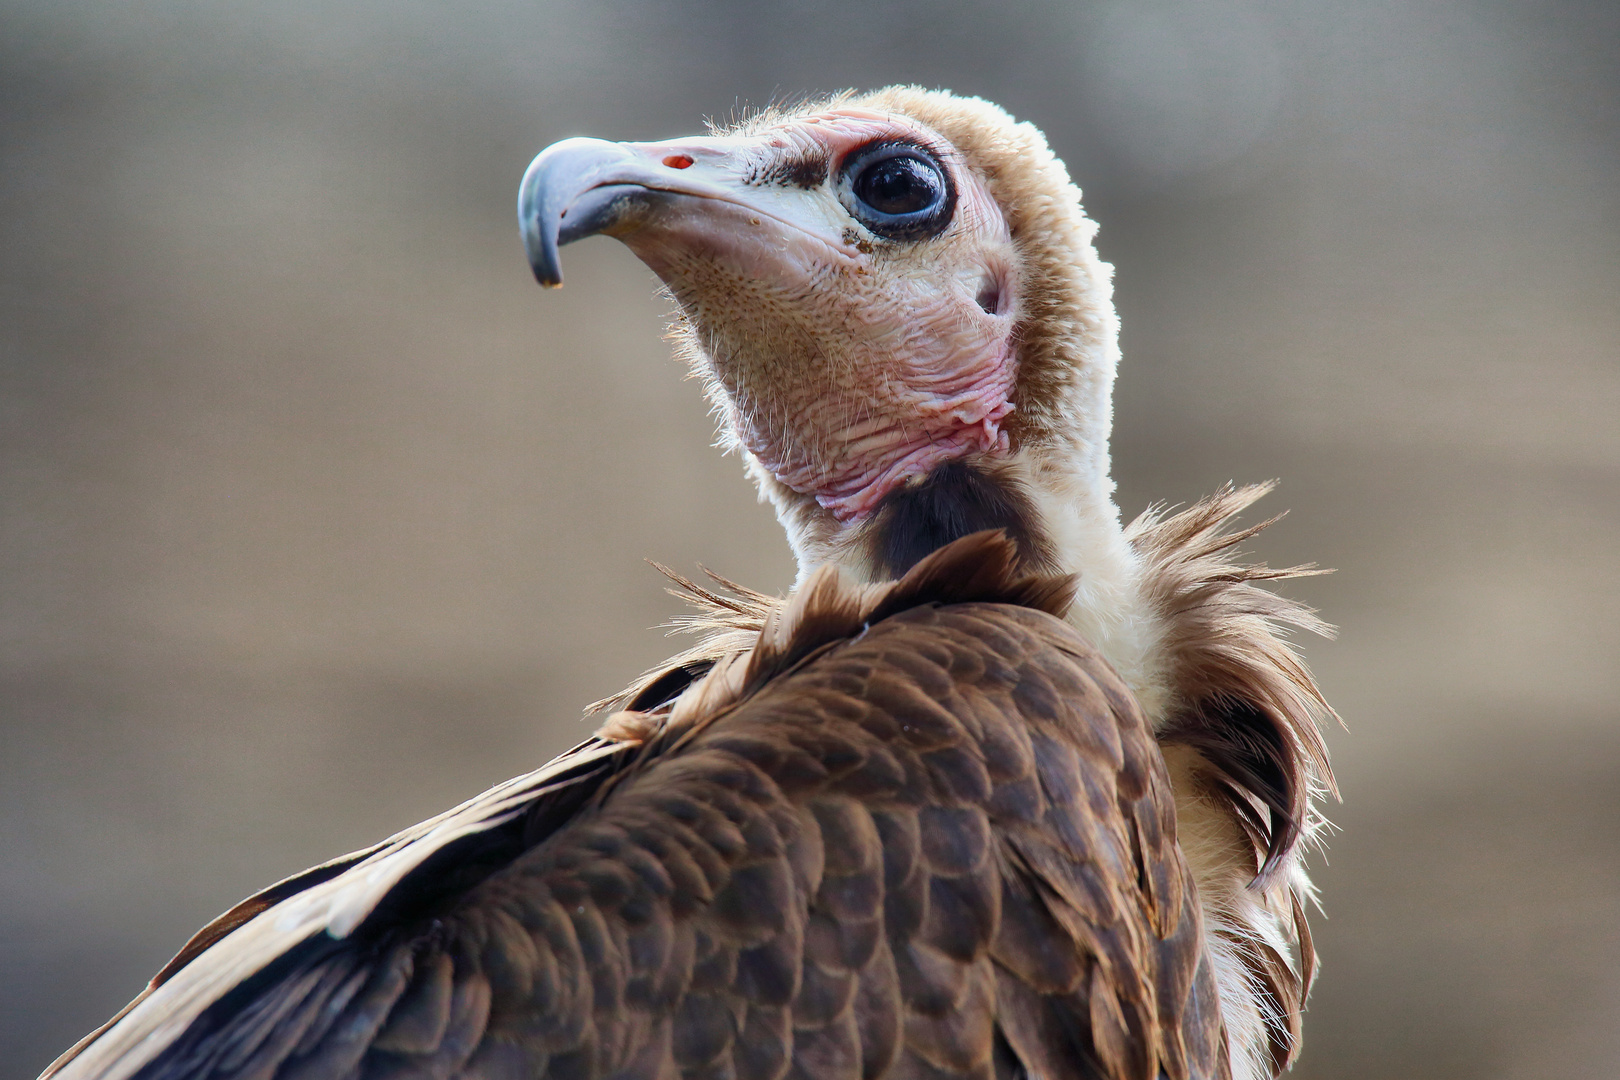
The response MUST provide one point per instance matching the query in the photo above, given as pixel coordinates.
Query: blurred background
(317, 516)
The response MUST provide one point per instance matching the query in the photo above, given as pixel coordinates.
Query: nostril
(679, 161)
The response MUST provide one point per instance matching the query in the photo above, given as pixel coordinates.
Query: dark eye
(897, 190)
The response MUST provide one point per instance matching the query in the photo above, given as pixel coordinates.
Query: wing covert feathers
(918, 831)
(1241, 736)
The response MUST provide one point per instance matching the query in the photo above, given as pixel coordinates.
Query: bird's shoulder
(912, 831)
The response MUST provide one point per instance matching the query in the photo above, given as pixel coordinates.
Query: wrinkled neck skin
(868, 376)
(1061, 459)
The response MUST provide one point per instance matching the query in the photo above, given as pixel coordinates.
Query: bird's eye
(897, 190)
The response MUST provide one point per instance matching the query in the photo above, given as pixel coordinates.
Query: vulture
(1004, 789)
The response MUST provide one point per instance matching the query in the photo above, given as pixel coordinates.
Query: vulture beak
(694, 189)
(579, 188)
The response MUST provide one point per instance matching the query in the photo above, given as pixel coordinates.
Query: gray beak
(701, 193)
(574, 189)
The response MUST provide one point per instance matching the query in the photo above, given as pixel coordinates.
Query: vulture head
(897, 311)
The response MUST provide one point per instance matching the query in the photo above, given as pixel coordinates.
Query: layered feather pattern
(918, 830)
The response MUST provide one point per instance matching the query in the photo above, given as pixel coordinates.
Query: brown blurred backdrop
(316, 515)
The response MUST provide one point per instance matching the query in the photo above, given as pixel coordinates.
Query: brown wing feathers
(1247, 705)
(921, 831)
(1245, 700)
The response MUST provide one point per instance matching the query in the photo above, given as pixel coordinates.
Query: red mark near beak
(678, 161)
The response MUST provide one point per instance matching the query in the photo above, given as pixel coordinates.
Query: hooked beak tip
(560, 177)
(539, 224)
(549, 277)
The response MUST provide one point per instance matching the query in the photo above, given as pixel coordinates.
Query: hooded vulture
(1004, 789)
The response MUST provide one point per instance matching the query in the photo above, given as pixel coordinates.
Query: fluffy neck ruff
(1240, 729)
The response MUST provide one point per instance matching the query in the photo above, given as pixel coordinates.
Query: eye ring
(898, 190)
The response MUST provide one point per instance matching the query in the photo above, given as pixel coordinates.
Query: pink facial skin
(846, 363)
